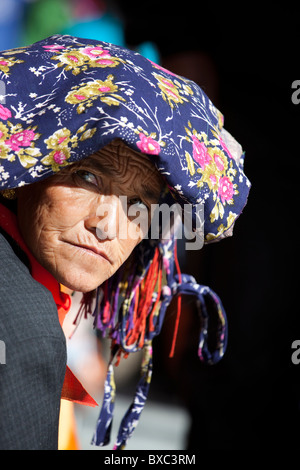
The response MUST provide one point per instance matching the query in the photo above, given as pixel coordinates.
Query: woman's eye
(87, 176)
(136, 201)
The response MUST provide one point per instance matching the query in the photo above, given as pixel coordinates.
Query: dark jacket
(35, 354)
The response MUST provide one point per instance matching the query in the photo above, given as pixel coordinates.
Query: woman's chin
(81, 282)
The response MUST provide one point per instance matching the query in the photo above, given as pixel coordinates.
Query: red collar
(72, 388)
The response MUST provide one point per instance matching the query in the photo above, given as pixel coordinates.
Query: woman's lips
(92, 250)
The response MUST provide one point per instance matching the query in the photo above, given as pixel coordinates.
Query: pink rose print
(5, 113)
(105, 61)
(61, 140)
(225, 190)
(213, 179)
(224, 147)
(73, 58)
(148, 145)
(162, 68)
(219, 162)
(94, 52)
(104, 89)
(200, 154)
(59, 157)
(20, 139)
(80, 97)
(53, 47)
(169, 85)
(99, 55)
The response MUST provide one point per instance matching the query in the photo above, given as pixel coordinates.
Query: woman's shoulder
(11, 253)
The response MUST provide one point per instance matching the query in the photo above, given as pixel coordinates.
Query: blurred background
(245, 57)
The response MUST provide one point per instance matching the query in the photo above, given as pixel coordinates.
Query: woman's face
(76, 224)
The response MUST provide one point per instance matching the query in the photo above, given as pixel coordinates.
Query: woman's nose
(105, 220)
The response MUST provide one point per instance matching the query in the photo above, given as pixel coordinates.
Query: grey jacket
(33, 348)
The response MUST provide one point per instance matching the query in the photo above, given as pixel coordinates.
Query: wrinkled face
(84, 222)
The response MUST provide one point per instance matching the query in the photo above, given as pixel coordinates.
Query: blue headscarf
(64, 98)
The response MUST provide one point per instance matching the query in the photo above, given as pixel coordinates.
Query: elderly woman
(95, 141)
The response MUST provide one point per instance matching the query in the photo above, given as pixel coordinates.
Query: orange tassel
(178, 303)
(143, 302)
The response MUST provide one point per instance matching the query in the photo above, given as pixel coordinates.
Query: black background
(246, 59)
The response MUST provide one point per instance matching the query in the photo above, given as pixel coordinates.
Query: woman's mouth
(92, 250)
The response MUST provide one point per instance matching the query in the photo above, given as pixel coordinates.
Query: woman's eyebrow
(150, 193)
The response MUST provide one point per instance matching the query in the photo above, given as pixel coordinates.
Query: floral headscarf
(64, 98)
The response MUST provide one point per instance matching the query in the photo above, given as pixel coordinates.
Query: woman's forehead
(119, 160)
(108, 160)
